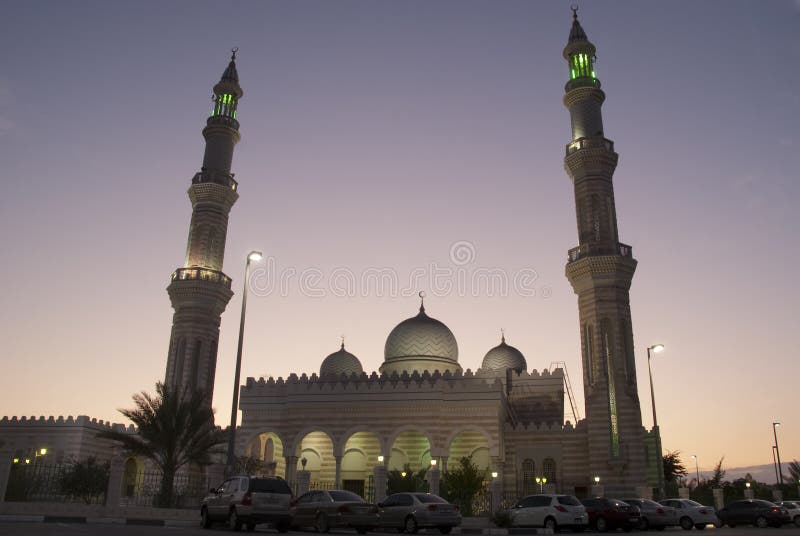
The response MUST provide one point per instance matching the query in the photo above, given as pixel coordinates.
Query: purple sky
(377, 134)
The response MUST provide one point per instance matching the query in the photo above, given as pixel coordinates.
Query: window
(528, 477)
(549, 469)
(405, 500)
(569, 500)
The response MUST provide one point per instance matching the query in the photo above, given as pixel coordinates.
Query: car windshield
(569, 500)
(342, 496)
(428, 498)
(269, 485)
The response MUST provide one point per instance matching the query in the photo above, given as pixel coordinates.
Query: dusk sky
(408, 137)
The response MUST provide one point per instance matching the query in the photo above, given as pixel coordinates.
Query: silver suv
(245, 500)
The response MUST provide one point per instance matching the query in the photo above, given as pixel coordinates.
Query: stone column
(496, 492)
(303, 482)
(379, 479)
(6, 461)
(115, 477)
(444, 463)
(338, 479)
(598, 490)
(433, 480)
(749, 493)
(291, 470)
(719, 498)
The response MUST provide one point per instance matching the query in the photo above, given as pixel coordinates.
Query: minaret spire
(199, 290)
(600, 270)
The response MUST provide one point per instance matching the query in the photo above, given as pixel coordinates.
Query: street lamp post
(777, 450)
(656, 348)
(696, 468)
(252, 256)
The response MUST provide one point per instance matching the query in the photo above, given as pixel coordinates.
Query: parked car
(609, 514)
(243, 500)
(692, 514)
(754, 512)
(410, 512)
(329, 509)
(654, 515)
(549, 511)
(793, 507)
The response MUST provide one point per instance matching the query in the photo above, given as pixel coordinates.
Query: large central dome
(420, 343)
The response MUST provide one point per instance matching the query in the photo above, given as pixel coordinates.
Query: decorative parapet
(80, 420)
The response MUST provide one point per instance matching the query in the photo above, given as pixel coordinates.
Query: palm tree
(794, 470)
(174, 430)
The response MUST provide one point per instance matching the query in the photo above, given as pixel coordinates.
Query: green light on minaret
(581, 66)
(225, 105)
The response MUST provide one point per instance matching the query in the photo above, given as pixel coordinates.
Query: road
(79, 529)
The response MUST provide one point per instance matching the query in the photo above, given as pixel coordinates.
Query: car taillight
(775, 511)
(247, 500)
(344, 509)
(660, 511)
(432, 507)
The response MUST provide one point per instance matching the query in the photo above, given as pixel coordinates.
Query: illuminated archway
(412, 448)
(267, 447)
(317, 449)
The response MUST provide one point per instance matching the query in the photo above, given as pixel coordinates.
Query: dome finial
(421, 301)
(234, 50)
(342, 341)
(574, 8)
(502, 335)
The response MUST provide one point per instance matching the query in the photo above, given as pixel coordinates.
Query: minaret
(600, 270)
(199, 291)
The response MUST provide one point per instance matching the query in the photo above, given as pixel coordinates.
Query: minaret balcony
(218, 177)
(201, 274)
(592, 142)
(223, 120)
(596, 250)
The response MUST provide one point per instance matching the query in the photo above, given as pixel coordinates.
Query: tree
(461, 484)
(673, 466)
(794, 470)
(719, 473)
(406, 480)
(87, 480)
(175, 429)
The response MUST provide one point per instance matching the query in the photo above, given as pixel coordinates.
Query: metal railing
(217, 177)
(63, 483)
(144, 489)
(201, 274)
(592, 142)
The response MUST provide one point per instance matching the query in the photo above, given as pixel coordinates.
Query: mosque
(344, 425)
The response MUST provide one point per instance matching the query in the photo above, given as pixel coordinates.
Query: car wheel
(686, 523)
(234, 522)
(601, 524)
(700, 526)
(550, 523)
(321, 523)
(205, 521)
(445, 529)
(361, 530)
(644, 524)
(411, 525)
(283, 526)
(659, 527)
(251, 527)
(761, 522)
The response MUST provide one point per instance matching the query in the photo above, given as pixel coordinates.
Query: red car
(610, 514)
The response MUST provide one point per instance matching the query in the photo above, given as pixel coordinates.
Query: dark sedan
(756, 512)
(327, 509)
(610, 514)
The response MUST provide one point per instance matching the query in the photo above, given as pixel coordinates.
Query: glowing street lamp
(380, 458)
(403, 474)
(252, 256)
(656, 348)
(541, 481)
(494, 474)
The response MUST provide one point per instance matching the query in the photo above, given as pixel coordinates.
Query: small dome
(420, 343)
(504, 357)
(341, 362)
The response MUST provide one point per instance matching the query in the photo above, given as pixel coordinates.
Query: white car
(549, 511)
(794, 510)
(692, 513)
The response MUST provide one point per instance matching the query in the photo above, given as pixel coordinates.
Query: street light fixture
(656, 348)
(252, 256)
(541, 481)
(696, 468)
(597, 481)
(777, 450)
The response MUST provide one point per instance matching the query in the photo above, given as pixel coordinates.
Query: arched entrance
(472, 444)
(361, 451)
(316, 448)
(410, 449)
(266, 448)
(132, 477)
